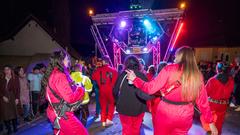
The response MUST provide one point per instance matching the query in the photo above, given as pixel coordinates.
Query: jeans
(35, 102)
(26, 110)
(96, 97)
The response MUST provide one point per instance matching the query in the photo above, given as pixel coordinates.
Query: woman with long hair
(219, 89)
(130, 102)
(24, 92)
(9, 99)
(62, 96)
(181, 85)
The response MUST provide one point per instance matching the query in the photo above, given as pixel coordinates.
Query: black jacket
(130, 100)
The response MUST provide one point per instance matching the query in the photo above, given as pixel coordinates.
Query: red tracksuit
(59, 83)
(152, 104)
(106, 77)
(174, 119)
(219, 91)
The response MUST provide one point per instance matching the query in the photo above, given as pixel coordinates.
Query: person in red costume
(106, 77)
(62, 96)
(181, 85)
(219, 89)
(155, 101)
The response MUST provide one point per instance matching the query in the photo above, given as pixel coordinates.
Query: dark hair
(131, 62)
(10, 67)
(120, 68)
(55, 61)
(41, 65)
(161, 65)
(17, 70)
(151, 69)
(36, 67)
(77, 67)
(106, 59)
(221, 68)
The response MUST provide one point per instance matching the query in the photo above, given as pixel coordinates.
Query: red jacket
(218, 90)
(168, 74)
(105, 77)
(59, 83)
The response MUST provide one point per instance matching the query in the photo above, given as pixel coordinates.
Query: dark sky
(207, 22)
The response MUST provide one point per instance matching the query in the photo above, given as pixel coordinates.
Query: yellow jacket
(79, 78)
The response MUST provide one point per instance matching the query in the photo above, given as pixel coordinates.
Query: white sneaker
(104, 124)
(232, 105)
(98, 119)
(237, 109)
(109, 122)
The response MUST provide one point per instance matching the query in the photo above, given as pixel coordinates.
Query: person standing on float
(181, 85)
(219, 89)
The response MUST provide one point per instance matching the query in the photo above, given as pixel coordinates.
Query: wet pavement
(43, 127)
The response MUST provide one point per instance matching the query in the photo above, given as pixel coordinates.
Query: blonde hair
(191, 77)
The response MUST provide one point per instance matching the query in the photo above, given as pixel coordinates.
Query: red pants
(172, 120)
(154, 105)
(220, 111)
(71, 126)
(131, 124)
(106, 103)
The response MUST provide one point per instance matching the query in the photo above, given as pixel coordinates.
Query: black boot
(8, 126)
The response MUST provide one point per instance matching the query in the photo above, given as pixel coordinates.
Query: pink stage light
(177, 35)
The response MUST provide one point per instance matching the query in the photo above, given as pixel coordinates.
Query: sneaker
(237, 109)
(109, 122)
(97, 119)
(104, 124)
(232, 105)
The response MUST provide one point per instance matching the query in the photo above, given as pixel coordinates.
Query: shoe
(109, 122)
(232, 105)
(104, 124)
(27, 119)
(237, 109)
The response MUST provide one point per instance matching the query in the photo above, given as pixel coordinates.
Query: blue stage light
(148, 26)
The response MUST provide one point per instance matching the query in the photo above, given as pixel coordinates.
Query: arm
(87, 84)
(63, 88)
(203, 105)
(153, 86)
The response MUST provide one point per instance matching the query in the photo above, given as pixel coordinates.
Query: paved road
(43, 127)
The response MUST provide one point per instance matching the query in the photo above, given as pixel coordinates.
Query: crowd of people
(169, 91)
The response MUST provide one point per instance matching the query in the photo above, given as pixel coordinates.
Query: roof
(11, 34)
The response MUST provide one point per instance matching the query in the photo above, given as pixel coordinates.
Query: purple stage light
(145, 49)
(128, 51)
(123, 24)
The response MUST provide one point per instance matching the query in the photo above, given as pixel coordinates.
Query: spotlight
(90, 12)
(148, 26)
(145, 49)
(146, 22)
(128, 51)
(183, 5)
(155, 38)
(123, 24)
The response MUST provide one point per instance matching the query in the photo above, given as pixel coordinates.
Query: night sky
(207, 22)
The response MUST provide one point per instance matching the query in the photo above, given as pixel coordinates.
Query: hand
(16, 101)
(5, 99)
(130, 75)
(213, 129)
